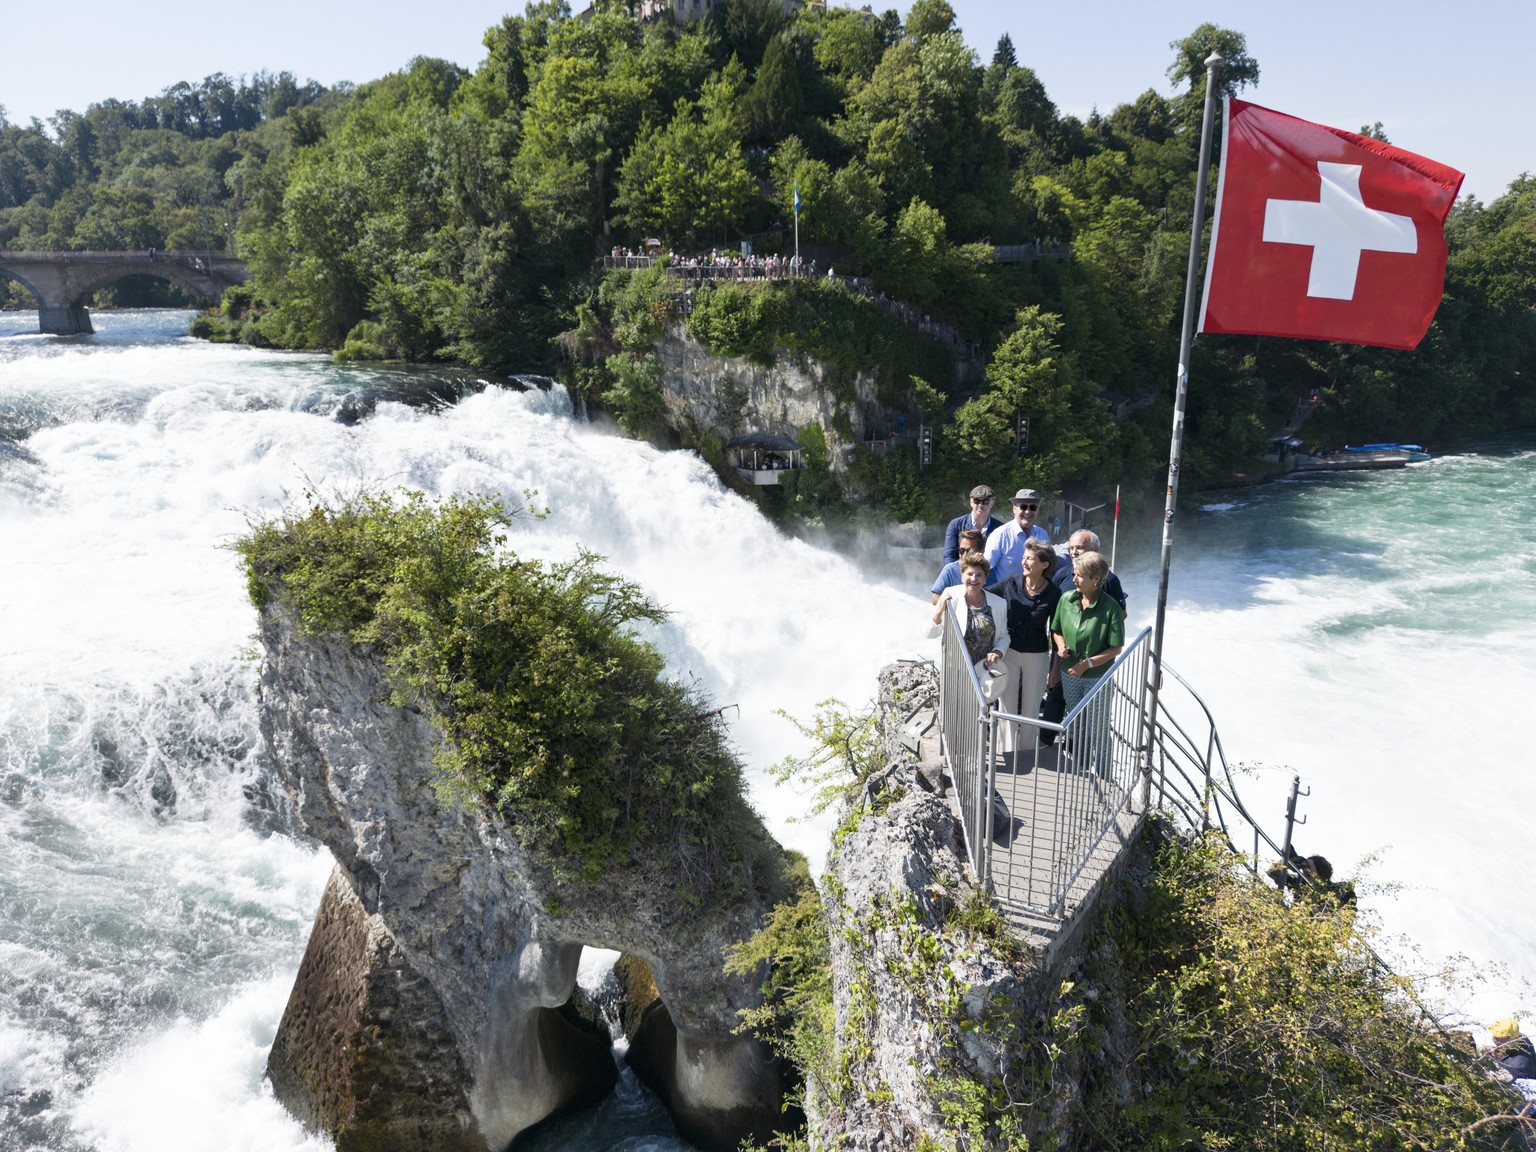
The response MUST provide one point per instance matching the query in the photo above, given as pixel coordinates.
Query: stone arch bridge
(62, 281)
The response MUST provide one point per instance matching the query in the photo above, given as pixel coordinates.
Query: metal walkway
(1029, 840)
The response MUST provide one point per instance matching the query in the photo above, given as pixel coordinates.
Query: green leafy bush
(729, 320)
(366, 341)
(554, 713)
(635, 398)
(1274, 1028)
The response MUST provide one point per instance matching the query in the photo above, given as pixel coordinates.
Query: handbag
(1053, 706)
(994, 680)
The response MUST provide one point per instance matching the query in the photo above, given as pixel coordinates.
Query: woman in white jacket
(983, 616)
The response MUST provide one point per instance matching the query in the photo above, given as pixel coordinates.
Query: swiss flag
(1324, 234)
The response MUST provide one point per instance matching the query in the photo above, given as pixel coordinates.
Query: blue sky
(1447, 81)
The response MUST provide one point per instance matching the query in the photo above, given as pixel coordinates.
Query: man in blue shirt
(979, 517)
(1079, 542)
(971, 540)
(1005, 547)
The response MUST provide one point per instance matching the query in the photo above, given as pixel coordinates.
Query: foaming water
(1376, 634)
(154, 897)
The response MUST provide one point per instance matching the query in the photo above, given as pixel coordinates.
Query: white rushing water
(150, 920)
(154, 903)
(1375, 633)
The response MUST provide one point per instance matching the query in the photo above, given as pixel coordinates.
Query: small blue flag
(797, 197)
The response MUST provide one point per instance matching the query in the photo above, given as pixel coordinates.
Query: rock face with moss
(702, 390)
(946, 1028)
(431, 1009)
(1204, 1009)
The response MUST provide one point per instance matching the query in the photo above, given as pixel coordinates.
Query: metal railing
(1048, 794)
(1049, 803)
(966, 730)
(1191, 779)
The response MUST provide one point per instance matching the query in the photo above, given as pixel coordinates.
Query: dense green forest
(440, 214)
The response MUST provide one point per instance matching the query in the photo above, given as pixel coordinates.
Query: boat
(1292, 455)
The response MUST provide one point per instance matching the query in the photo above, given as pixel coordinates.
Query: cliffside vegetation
(553, 712)
(440, 213)
(1204, 1012)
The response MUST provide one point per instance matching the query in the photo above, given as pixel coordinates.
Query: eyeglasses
(1027, 507)
(981, 500)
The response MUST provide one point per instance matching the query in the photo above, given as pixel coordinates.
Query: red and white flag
(1324, 234)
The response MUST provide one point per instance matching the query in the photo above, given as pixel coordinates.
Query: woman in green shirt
(1088, 632)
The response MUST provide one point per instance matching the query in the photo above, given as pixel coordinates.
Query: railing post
(988, 795)
(1205, 793)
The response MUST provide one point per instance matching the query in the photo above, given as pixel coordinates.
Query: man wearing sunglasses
(979, 518)
(1005, 547)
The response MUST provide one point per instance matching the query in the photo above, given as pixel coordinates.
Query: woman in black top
(1031, 599)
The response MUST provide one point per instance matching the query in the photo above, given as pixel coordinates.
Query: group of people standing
(1054, 621)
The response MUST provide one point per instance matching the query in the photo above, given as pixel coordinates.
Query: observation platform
(1041, 795)
(1034, 791)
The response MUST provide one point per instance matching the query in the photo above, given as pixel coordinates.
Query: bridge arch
(62, 281)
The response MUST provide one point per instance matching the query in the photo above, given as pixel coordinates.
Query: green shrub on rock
(553, 712)
(1261, 1026)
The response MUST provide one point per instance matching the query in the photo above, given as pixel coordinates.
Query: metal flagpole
(1114, 540)
(1213, 63)
(797, 227)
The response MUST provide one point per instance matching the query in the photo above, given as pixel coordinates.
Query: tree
(1238, 70)
(847, 47)
(1004, 59)
(1070, 429)
(746, 28)
(918, 251)
(929, 18)
(688, 179)
(775, 104)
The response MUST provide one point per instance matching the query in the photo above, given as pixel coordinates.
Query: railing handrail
(1222, 789)
(977, 809)
(1125, 655)
(973, 732)
(1193, 781)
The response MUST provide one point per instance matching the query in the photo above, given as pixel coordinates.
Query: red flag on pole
(1323, 234)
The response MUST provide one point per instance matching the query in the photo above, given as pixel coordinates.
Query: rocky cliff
(431, 1011)
(951, 1031)
(734, 394)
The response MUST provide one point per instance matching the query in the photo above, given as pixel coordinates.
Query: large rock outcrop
(951, 1029)
(730, 394)
(428, 1013)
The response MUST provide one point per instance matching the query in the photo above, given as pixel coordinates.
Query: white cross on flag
(1324, 234)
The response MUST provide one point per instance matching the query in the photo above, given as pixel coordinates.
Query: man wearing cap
(1005, 547)
(1512, 1051)
(979, 517)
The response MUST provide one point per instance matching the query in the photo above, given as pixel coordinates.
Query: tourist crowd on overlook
(714, 265)
(1041, 622)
